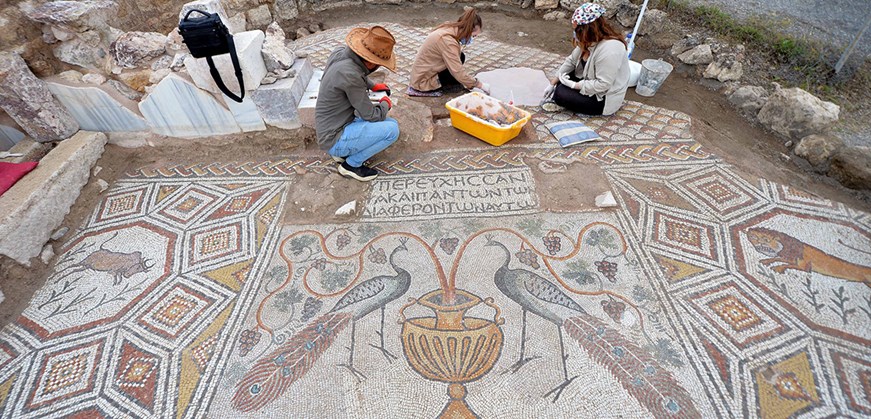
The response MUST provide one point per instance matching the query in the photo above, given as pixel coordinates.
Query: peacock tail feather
(273, 374)
(636, 370)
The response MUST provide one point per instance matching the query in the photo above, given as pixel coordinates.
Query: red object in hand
(389, 103)
(381, 87)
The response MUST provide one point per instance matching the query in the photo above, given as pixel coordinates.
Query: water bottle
(629, 45)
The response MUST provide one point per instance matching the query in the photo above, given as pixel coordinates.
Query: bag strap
(195, 10)
(236, 67)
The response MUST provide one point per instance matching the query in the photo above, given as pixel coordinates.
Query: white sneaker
(337, 159)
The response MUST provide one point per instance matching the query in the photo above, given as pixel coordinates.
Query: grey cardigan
(342, 94)
(606, 74)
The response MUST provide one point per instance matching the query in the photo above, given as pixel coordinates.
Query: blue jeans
(363, 139)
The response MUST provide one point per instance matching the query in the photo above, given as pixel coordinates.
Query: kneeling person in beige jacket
(594, 78)
(438, 66)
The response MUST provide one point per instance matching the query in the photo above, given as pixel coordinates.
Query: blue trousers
(363, 139)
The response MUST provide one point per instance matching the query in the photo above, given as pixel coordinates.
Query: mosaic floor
(706, 293)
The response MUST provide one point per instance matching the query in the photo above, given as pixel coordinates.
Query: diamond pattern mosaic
(189, 292)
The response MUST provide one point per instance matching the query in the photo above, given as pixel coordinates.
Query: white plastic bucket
(653, 74)
(634, 73)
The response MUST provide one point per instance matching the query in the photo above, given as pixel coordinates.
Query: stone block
(177, 108)
(276, 56)
(277, 102)
(95, 110)
(36, 206)
(306, 107)
(248, 46)
(30, 149)
(246, 113)
(796, 113)
(29, 102)
(546, 4)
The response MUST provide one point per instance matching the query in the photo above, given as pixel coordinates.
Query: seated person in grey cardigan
(594, 78)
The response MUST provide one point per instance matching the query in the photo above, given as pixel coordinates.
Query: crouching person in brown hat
(349, 126)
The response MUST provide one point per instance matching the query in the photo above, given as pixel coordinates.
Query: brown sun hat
(374, 44)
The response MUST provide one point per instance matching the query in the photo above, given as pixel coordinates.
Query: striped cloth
(569, 133)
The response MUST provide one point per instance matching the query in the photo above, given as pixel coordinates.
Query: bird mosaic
(273, 374)
(637, 371)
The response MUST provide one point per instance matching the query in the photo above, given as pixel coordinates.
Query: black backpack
(207, 37)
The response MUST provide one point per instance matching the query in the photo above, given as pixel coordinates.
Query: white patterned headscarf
(587, 13)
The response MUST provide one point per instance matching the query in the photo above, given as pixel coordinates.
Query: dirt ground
(314, 198)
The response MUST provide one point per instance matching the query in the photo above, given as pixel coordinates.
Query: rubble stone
(852, 167)
(94, 78)
(74, 16)
(276, 56)
(818, 149)
(80, 53)
(555, 15)
(700, 54)
(796, 113)
(29, 102)
(125, 90)
(725, 68)
(136, 80)
(132, 49)
(749, 99)
(285, 10)
(259, 17)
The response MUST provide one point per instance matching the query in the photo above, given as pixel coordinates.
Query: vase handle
(497, 318)
(411, 302)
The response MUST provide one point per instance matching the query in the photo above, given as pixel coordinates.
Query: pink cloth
(12, 172)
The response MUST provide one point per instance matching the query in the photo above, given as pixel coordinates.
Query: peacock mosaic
(705, 293)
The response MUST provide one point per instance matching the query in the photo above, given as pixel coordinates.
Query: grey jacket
(606, 74)
(343, 92)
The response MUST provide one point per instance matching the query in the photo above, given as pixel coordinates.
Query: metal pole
(852, 47)
(631, 46)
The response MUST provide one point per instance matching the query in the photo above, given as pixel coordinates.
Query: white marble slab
(96, 110)
(9, 137)
(177, 108)
(524, 86)
(246, 114)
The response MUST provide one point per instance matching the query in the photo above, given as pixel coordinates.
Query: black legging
(574, 101)
(447, 80)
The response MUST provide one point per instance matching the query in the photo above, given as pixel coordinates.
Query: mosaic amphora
(451, 347)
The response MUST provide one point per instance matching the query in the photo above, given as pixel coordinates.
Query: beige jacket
(439, 51)
(606, 74)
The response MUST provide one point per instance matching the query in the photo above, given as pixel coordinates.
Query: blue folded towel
(569, 133)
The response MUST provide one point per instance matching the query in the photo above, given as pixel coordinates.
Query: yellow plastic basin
(479, 128)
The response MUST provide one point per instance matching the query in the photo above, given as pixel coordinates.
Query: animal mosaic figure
(638, 372)
(121, 265)
(273, 374)
(800, 256)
